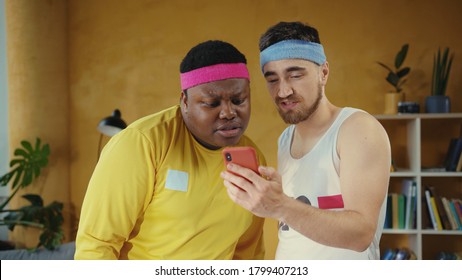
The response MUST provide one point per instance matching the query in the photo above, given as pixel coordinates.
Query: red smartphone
(243, 156)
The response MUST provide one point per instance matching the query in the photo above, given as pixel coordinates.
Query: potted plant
(396, 77)
(438, 101)
(25, 167)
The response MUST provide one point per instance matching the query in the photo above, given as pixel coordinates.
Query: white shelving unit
(417, 141)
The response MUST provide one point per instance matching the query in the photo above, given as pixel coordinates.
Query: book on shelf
(458, 207)
(413, 215)
(426, 220)
(394, 211)
(409, 190)
(401, 211)
(431, 210)
(459, 164)
(453, 154)
(388, 214)
(455, 215)
(451, 218)
(439, 225)
(441, 211)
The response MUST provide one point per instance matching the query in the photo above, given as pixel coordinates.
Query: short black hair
(288, 31)
(210, 53)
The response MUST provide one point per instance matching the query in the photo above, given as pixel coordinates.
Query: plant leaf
(37, 143)
(442, 63)
(34, 199)
(27, 146)
(393, 79)
(385, 66)
(46, 150)
(403, 72)
(21, 152)
(6, 178)
(16, 162)
(401, 55)
(27, 179)
(445, 76)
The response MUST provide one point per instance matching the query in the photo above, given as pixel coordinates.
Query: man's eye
(271, 81)
(238, 101)
(295, 76)
(212, 104)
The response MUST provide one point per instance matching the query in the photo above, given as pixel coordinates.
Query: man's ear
(324, 72)
(184, 101)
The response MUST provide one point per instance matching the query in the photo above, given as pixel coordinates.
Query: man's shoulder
(161, 118)
(359, 117)
(360, 124)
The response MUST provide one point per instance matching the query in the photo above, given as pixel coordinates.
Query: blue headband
(297, 49)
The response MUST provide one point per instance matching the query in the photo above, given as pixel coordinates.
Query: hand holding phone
(243, 156)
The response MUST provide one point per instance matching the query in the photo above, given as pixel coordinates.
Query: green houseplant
(438, 102)
(25, 167)
(396, 77)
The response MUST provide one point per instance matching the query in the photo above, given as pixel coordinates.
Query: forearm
(345, 229)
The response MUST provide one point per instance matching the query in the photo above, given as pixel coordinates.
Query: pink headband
(213, 73)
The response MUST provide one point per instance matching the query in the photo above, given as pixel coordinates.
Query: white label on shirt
(177, 180)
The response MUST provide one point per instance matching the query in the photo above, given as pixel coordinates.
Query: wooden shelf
(419, 140)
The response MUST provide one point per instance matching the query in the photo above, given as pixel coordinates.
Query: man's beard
(303, 112)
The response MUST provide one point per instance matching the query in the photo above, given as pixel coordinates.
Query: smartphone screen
(243, 156)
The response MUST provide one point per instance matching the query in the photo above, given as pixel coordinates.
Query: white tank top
(314, 179)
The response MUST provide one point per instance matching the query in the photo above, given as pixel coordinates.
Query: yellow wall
(125, 54)
(38, 95)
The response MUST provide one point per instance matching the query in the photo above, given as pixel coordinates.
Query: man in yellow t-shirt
(156, 192)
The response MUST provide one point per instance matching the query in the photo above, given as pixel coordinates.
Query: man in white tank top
(329, 193)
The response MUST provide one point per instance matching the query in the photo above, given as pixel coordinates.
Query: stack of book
(401, 207)
(443, 213)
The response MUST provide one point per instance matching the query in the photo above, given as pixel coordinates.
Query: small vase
(437, 104)
(391, 103)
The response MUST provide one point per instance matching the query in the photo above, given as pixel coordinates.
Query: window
(4, 145)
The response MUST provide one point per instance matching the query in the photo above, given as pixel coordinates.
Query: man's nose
(227, 111)
(284, 90)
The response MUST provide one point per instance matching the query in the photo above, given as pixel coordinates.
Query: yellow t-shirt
(156, 193)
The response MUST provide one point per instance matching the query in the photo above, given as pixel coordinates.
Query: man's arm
(364, 151)
(119, 190)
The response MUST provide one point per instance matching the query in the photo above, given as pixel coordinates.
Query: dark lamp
(111, 125)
